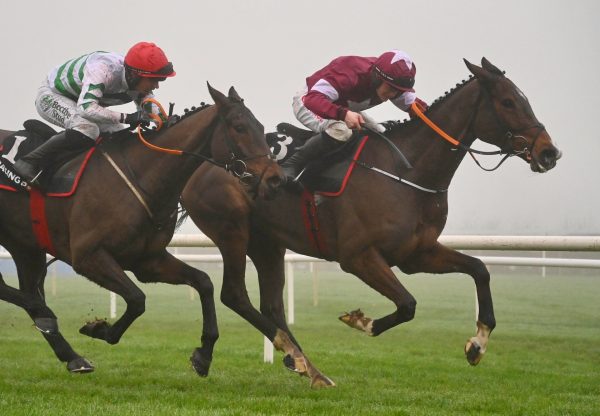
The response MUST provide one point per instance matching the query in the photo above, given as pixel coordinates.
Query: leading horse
(123, 219)
(378, 221)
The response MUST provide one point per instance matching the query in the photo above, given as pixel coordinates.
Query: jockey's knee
(338, 130)
(85, 127)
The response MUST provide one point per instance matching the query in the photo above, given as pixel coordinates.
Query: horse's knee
(407, 310)
(136, 305)
(480, 272)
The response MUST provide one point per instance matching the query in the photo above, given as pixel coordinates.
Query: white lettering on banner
(10, 156)
(12, 176)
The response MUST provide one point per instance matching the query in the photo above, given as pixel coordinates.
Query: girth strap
(311, 222)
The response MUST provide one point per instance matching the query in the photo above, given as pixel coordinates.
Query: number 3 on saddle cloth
(327, 176)
(59, 180)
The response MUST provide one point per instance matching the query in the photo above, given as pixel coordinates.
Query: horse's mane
(175, 118)
(395, 125)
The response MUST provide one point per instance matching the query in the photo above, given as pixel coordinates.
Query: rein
(236, 165)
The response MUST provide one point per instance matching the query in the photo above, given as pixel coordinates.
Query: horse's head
(244, 145)
(506, 119)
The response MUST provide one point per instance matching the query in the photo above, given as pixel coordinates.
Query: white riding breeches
(336, 129)
(62, 111)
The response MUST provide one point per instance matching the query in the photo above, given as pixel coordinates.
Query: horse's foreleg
(102, 269)
(441, 259)
(235, 296)
(269, 261)
(268, 258)
(167, 269)
(372, 269)
(31, 269)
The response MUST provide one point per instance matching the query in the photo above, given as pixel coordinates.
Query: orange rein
(159, 124)
(433, 126)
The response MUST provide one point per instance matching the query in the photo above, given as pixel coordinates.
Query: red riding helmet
(145, 59)
(397, 69)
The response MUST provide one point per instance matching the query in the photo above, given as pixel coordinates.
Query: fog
(550, 49)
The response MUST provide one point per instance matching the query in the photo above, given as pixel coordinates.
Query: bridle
(507, 148)
(236, 164)
(511, 136)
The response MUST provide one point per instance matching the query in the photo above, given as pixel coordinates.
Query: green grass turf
(543, 357)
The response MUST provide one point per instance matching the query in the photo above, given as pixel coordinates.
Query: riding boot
(32, 164)
(314, 148)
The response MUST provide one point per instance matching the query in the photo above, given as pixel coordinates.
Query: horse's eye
(239, 128)
(508, 103)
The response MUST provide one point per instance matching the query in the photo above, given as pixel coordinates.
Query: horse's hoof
(320, 381)
(201, 362)
(473, 352)
(356, 319)
(96, 329)
(80, 365)
(296, 365)
(46, 325)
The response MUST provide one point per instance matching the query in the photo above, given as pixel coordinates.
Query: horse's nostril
(548, 158)
(274, 181)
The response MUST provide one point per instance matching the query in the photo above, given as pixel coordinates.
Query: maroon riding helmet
(396, 69)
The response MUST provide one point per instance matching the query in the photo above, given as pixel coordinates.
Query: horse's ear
(218, 96)
(480, 73)
(234, 95)
(488, 66)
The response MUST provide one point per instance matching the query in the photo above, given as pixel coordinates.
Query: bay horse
(104, 229)
(377, 222)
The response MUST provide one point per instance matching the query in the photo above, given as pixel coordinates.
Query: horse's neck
(434, 159)
(163, 176)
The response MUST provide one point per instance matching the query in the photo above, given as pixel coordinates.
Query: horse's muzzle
(545, 160)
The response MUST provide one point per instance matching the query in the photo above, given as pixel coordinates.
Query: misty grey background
(266, 48)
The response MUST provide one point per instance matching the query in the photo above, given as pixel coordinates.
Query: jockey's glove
(137, 118)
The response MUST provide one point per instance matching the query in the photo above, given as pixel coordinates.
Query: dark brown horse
(104, 229)
(377, 222)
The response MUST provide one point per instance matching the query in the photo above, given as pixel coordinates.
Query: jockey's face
(147, 85)
(386, 92)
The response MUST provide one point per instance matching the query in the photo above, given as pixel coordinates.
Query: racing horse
(122, 218)
(388, 215)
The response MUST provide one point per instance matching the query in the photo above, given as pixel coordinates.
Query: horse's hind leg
(31, 269)
(441, 259)
(166, 268)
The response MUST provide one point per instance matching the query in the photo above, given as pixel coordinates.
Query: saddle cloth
(329, 175)
(60, 180)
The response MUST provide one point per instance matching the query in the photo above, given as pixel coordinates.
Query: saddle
(327, 176)
(59, 180)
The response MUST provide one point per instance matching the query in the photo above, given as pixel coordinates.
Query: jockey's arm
(150, 107)
(323, 105)
(405, 100)
(89, 106)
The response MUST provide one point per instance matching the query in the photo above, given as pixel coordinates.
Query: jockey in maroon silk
(334, 97)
